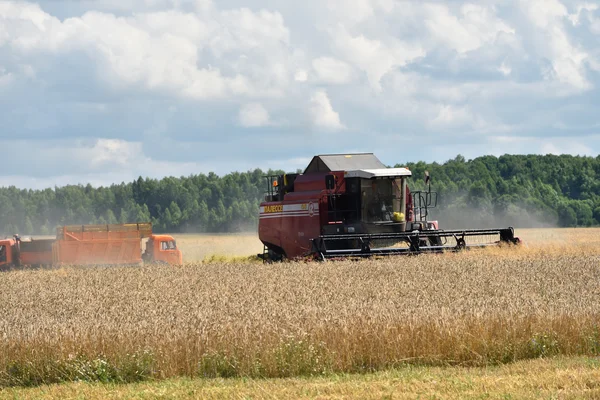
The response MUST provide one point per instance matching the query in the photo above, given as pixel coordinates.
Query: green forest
(511, 190)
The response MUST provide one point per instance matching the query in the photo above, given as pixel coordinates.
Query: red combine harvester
(352, 205)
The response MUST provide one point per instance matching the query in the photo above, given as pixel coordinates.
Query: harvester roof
(378, 173)
(344, 162)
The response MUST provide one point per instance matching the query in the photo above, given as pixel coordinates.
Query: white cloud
(543, 13)
(353, 12)
(452, 115)
(80, 156)
(5, 77)
(553, 42)
(566, 145)
(301, 76)
(330, 70)
(375, 57)
(289, 164)
(253, 115)
(591, 16)
(475, 26)
(114, 80)
(99, 162)
(246, 30)
(550, 145)
(204, 6)
(504, 69)
(575, 18)
(111, 152)
(160, 50)
(322, 113)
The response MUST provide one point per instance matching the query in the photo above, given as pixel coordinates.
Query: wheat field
(206, 247)
(235, 318)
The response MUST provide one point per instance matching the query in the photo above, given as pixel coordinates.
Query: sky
(104, 91)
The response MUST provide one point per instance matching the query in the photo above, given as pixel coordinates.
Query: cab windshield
(168, 245)
(381, 198)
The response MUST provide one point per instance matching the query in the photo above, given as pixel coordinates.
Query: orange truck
(113, 244)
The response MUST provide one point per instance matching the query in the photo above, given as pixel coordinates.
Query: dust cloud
(461, 215)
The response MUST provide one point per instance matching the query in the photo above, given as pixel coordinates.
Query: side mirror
(329, 182)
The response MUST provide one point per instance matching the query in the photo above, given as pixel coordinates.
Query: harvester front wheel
(275, 256)
(272, 253)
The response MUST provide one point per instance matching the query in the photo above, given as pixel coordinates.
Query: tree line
(511, 190)
(515, 190)
(198, 203)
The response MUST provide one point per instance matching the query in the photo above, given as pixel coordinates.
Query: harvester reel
(415, 243)
(365, 246)
(461, 243)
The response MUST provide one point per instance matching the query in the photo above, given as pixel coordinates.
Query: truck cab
(162, 249)
(7, 252)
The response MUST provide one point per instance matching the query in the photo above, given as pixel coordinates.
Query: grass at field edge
(561, 377)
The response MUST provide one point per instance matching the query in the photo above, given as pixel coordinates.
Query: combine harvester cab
(354, 206)
(112, 244)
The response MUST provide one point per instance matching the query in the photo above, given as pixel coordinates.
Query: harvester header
(353, 205)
